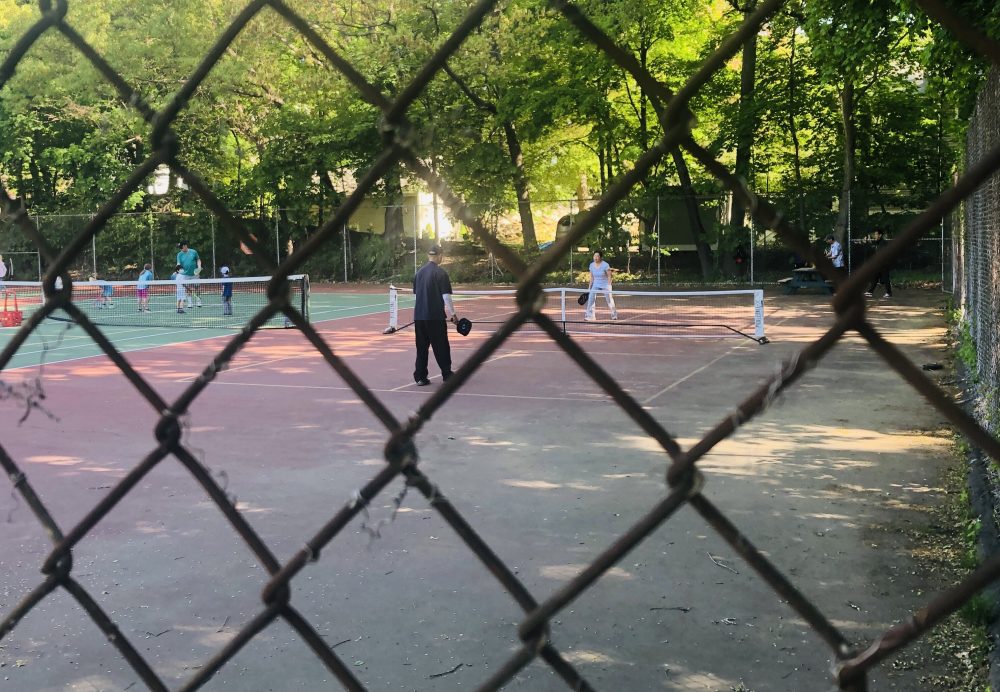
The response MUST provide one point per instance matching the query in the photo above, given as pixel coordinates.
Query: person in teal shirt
(190, 262)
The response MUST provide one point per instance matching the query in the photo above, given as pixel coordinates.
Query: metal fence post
(850, 250)
(152, 244)
(571, 224)
(277, 242)
(658, 252)
(215, 265)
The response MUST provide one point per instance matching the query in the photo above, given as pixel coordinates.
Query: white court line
(142, 348)
(707, 365)
(490, 360)
(690, 375)
(398, 390)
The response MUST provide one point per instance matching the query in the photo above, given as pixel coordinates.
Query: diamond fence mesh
(978, 265)
(685, 482)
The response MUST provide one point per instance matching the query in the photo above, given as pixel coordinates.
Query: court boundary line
(182, 342)
(407, 390)
(333, 319)
(702, 368)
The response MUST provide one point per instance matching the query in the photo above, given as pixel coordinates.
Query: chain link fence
(684, 482)
(977, 270)
(649, 241)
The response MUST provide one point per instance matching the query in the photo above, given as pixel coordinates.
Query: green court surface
(56, 341)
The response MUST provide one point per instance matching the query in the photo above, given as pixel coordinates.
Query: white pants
(592, 301)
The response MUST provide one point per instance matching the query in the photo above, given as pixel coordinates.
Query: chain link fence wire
(648, 241)
(978, 267)
(685, 484)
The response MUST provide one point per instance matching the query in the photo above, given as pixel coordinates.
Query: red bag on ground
(10, 318)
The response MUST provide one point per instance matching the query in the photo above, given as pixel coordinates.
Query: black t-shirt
(429, 284)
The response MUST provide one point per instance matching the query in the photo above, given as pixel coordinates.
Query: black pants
(883, 279)
(432, 334)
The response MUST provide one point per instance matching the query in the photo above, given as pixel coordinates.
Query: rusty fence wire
(685, 484)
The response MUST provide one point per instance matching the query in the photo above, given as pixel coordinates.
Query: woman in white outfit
(600, 280)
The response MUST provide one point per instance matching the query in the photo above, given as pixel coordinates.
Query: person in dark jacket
(882, 277)
(432, 290)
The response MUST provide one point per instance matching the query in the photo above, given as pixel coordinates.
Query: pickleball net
(679, 314)
(122, 304)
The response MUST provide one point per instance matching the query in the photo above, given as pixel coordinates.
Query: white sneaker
(614, 317)
(588, 319)
(190, 304)
(199, 302)
(868, 294)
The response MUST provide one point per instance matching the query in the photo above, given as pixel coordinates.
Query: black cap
(435, 250)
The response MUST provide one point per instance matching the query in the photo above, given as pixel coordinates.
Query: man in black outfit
(883, 277)
(432, 289)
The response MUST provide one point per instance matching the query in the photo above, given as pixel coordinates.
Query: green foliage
(967, 348)
(275, 127)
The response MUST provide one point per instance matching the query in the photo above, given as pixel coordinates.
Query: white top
(600, 275)
(836, 254)
(179, 279)
(3, 269)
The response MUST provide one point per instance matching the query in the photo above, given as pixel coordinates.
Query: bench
(806, 277)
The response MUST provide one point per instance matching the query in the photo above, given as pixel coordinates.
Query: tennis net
(737, 313)
(155, 303)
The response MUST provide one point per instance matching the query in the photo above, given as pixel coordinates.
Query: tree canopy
(867, 97)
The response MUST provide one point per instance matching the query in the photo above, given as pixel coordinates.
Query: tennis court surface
(539, 461)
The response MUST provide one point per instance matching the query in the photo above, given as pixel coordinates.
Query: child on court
(227, 292)
(178, 279)
(106, 293)
(142, 288)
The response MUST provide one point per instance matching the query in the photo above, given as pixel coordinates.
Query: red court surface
(537, 459)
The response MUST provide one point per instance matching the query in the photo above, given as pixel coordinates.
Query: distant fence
(653, 239)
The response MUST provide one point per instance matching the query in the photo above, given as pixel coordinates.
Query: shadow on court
(540, 462)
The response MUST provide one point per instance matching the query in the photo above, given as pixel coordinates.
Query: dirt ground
(835, 483)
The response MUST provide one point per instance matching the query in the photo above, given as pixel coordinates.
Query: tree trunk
(36, 179)
(694, 217)
(847, 121)
(794, 132)
(393, 217)
(521, 187)
(600, 163)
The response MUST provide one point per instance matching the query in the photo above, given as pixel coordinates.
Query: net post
(562, 306)
(305, 296)
(758, 313)
(393, 310)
